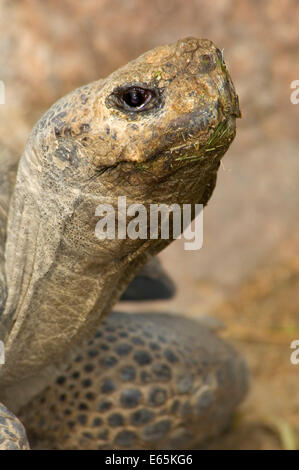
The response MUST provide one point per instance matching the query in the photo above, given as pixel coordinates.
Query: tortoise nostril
(206, 63)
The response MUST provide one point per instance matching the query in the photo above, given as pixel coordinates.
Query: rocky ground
(246, 274)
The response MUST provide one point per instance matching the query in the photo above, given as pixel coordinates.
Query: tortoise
(154, 131)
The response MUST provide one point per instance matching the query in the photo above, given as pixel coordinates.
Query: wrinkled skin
(89, 148)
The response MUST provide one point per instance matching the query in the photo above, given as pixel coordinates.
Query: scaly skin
(147, 381)
(88, 149)
(12, 432)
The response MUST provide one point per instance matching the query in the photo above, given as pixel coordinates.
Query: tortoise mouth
(195, 149)
(192, 150)
(217, 143)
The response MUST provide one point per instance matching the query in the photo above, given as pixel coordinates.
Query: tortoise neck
(59, 285)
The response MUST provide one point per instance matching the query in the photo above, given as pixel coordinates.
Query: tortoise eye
(135, 98)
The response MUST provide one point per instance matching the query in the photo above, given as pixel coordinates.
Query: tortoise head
(153, 131)
(163, 106)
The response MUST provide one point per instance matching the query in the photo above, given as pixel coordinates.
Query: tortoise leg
(151, 283)
(12, 432)
(146, 381)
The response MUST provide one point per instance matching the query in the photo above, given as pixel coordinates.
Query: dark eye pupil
(136, 97)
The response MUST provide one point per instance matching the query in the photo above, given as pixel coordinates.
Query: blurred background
(246, 274)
